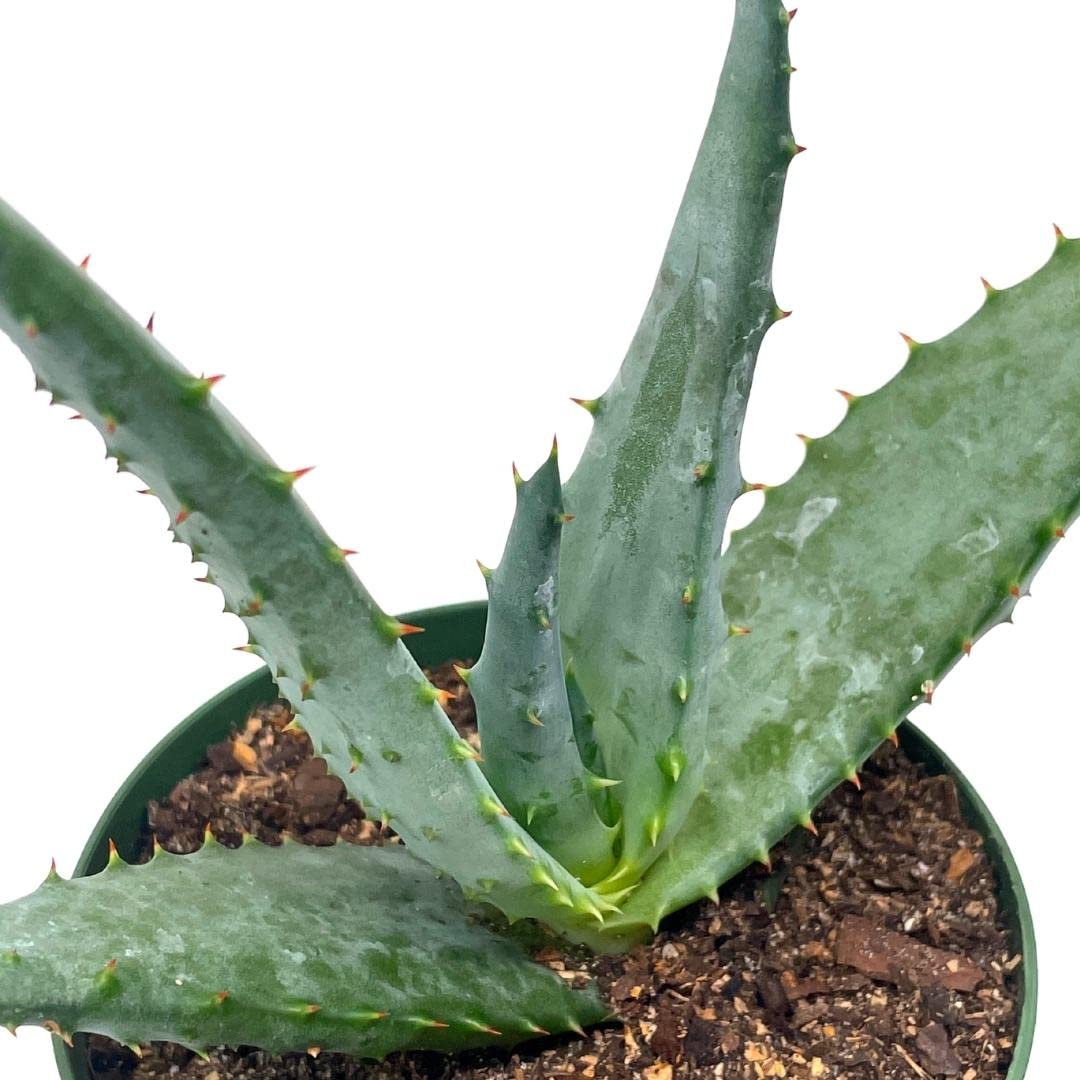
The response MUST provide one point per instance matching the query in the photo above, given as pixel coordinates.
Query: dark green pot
(452, 632)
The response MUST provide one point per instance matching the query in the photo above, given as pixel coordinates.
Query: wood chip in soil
(874, 952)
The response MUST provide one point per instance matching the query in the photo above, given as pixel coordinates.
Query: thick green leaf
(336, 656)
(642, 615)
(352, 949)
(527, 733)
(909, 531)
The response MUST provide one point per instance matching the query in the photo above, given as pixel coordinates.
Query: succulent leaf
(642, 614)
(909, 531)
(527, 737)
(336, 656)
(352, 949)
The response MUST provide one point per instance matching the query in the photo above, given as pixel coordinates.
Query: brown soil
(873, 952)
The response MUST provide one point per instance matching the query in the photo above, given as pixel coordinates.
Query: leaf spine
(590, 405)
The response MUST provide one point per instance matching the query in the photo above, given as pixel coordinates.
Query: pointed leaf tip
(85, 264)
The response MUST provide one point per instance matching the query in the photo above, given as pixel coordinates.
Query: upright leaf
(642, 614)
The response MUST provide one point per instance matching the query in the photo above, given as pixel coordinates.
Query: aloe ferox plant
(653, 715)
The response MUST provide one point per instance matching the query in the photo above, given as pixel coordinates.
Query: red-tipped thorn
(792, 13)
(518, 481)
(85, 264)
(853, 778)
(144, 491)
(1014, 591)
(799, 149)
(805, 439)
(150, 322)
(213, 380)
(990, 290)
(808, 824)
(182, 515)
(77, 416)
(31, 328)
(110, 424)
(967, 646)
(221, 997)
(780, 312)
(1059, 532)
(404, 629)
(1059, 236)
(296, 474)
(909, 341)
(849, 397)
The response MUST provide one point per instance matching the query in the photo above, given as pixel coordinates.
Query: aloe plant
(638, 695)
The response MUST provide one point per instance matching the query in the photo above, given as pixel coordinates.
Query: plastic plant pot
(457, 631)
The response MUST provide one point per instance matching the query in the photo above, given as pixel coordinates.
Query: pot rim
(456, 630)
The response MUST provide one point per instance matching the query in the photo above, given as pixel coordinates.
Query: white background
(408, 233)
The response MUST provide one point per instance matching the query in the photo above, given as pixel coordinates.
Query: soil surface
(873, 951)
